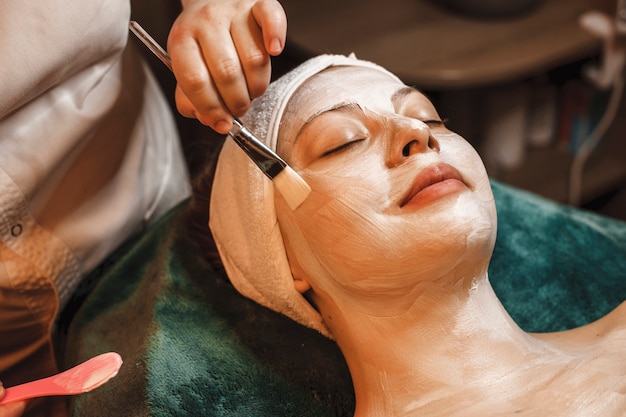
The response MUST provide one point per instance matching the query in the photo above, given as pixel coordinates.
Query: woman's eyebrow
(403, 92)
(346, 107)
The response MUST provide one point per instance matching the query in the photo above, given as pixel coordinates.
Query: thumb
(12, 409)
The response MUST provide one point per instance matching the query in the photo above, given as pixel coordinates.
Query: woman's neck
(446, 340)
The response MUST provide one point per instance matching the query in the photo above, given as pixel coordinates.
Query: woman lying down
(389, 253)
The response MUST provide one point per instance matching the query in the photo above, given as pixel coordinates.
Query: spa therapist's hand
(220, 52)
(13, 409)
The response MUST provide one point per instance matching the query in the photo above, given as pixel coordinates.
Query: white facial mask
(350, 234)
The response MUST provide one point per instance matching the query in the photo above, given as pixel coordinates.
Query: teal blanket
(192, 346)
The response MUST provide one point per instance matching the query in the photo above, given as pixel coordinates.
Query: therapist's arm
(220, 52)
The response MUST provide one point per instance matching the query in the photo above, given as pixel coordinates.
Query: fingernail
(222, 126)
(275, 46)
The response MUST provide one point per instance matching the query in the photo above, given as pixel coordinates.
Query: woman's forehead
(338, 86)
(341, 83)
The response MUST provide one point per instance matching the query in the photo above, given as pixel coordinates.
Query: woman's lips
(432, 183)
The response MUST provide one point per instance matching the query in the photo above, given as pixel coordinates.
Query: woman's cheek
(340, 220)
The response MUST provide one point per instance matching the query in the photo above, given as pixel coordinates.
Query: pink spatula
(85, 377)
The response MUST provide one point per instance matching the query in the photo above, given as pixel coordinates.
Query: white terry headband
(242, 214)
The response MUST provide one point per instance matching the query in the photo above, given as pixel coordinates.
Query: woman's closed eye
(434, 122)
(343, 147)
(436, 125)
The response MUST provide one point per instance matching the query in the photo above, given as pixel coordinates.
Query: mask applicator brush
(288, 183)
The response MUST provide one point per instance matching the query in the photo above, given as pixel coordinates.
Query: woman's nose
(409, 137)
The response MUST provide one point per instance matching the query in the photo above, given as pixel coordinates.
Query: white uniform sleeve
(45, 41)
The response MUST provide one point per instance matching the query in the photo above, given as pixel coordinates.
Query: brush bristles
(292, 187)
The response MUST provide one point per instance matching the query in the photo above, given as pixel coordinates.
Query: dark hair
(198, 209)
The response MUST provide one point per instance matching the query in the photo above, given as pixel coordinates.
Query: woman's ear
(301, 285)
(300, 282)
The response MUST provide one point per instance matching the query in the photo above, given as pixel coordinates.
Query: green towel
(192, 346)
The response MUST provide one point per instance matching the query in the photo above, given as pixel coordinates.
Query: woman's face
(397, 198)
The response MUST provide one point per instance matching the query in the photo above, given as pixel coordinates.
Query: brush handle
(267, 160)
(151, 43)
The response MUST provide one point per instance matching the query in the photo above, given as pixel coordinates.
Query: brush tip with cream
(292, 187)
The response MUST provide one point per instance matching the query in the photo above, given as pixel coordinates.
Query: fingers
(12, 409)
(228, 60)
(254, 59)
(270, 16)
(196, 93)
(220, 52)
